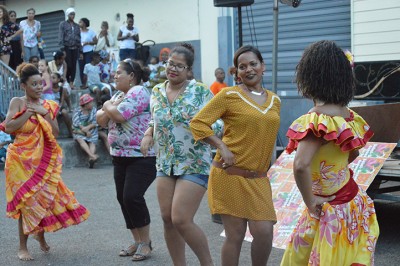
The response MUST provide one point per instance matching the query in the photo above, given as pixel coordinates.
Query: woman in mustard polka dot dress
(238, 189)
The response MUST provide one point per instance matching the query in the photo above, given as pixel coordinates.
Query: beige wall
(375, 30)
(159, 20)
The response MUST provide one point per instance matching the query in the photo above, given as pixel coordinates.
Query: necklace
(254, 92)
(178, 93)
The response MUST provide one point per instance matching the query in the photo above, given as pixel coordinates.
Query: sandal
(139, 255)
(129, 251)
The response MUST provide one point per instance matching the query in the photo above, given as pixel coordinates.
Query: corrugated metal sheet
(50, 24)
(313, 20)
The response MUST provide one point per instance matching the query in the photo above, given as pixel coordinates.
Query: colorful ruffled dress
(347, 229)
(34, 188)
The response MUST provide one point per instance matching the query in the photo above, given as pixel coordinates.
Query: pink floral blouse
(125, 138)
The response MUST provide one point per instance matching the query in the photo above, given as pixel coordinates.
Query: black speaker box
(232, 3)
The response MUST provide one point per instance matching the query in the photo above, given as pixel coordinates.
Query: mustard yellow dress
(344, 234)
(34, 188)
(250, 132)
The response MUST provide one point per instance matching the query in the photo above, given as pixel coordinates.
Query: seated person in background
(153, 66)
(105, 71)
(59, 97)
(219, 84)
(103, 131)
(5, 139)
(91, 78)
(161, 75)
(85, 127)
(34, 60)
(58, 65)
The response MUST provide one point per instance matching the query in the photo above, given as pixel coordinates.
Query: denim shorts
(198, 179)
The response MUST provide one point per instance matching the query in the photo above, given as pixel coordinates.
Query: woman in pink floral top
(127, 115)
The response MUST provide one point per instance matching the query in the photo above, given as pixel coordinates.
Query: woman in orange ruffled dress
(339, 225)
(35, 192)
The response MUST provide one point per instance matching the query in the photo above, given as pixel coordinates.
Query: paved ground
(98, 240)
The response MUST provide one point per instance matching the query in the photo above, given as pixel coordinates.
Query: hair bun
(188, 46)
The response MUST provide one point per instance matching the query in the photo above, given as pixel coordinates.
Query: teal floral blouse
(176, 150)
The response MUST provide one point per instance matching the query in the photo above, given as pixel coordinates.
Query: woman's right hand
(227, 157)
(146, 144)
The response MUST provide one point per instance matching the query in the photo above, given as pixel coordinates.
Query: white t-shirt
(30, 33)
(93, 74)
(87, 36)
(129, 43)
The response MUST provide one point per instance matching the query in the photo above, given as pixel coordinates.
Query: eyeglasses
(179, 68)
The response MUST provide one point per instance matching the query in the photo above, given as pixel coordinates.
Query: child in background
(153, 66)
(47, 93)
(85, 128)
(59, 97)
(41, 46)
(219, 84)
(91, 78)
(105, 72)
(34, 59)
(5, 139)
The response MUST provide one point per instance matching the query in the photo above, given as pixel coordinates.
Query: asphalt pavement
(99, 240)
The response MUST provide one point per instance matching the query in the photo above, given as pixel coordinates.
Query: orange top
(217, 87)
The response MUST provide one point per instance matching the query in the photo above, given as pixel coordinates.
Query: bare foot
(42, 241)
(23, 254)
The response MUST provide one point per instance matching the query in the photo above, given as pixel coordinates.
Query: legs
(262, 232)
(71, 58)
(175, 242)
(5, 58)
(67, 121)
(30, 51)
(90, 148)
(179, 201)
(235, 230)
(23, 253)
(132, 178)
(103, 136)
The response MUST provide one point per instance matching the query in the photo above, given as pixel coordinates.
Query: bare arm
(46, 78)
(11, 125)
(227, 156)
(119, 36)
(102, 118)
(302, 173)
(112, 112)
(136, 37)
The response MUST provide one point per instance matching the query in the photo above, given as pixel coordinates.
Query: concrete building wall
(158, 20)
(375, 30)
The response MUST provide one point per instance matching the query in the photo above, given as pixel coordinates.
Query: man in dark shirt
(70, 39)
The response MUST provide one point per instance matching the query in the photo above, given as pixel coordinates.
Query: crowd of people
(160, 124)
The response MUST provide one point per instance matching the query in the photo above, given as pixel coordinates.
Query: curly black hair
(324, 73)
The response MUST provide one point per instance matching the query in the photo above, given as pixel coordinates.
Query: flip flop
(139, 255)
(129, 251)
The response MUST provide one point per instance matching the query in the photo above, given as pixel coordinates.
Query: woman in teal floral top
(182, 164)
